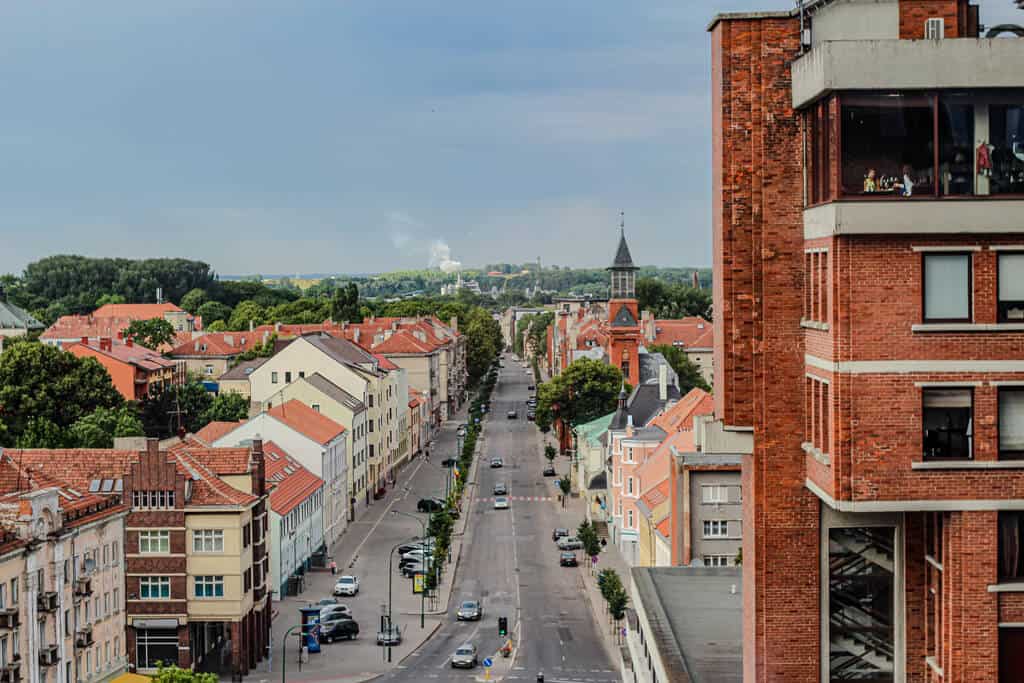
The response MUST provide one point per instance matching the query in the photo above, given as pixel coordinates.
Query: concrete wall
(856, 20)
(732, 512)
(917, 217)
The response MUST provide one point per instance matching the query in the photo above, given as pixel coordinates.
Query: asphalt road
(511, 564)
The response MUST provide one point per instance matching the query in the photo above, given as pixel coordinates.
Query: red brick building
(868, 188)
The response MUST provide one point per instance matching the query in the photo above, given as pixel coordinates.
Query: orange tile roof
(135, 311)
(664, 527)
(77, 326)
(680, 415)
(307, 421)
(219, 344)
(690, 332)
(220, 460)
(291, 482)
(655, 470)
(16, 479)
(136, 355)
(213, 431)
(657, 494)
(402, 341)
(383, 363)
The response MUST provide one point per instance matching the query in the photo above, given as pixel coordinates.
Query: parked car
(531, 387)
(415, 554)
(465, 657)
(427, 545)
(429, 505)
(390, 636)
(496, 462)
(336, 630)
(501, 503)
(410, 570)
(559, 533)
(531, 416)
(501, 489)
(569, 543)
(346, 585)
(549, 471)
(567, 559)
(512, 414)
(334, 612)
(327, 602)
(469, 610)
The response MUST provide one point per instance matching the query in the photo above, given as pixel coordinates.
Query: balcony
(11, 672)
(83, 587)
(906, 64)
(47, 602)
(83, 637)
(48, 655)
(9, 619)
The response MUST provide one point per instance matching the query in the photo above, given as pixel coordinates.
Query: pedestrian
(334, 566)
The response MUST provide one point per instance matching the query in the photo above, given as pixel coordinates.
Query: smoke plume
(441, 256)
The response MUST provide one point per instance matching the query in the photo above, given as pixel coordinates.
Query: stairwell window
(1011, 538)
(1010, 276)
(948, 423)
(1011, 423)
(947, 287)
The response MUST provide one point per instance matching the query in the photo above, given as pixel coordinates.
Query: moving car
(390, 636)
(346, 585)
(469, 610)
(336, 630)
(501, 489)
(501, 503)
(496, 462)
(569, 543)
(429, 505)
(549, 471)
(465, 657)
(512, 414)
(559, 533)
(567, 559)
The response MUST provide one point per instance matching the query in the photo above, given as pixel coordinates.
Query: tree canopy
(99, 428)
(584, 391)
(672, 300)
(152, 333)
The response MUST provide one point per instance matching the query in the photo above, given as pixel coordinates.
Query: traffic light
(503, 626)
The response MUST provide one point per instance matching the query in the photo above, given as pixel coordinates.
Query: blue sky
(351, 135)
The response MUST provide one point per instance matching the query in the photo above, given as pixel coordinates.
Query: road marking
(387, 510)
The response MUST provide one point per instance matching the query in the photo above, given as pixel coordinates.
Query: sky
(355, 136)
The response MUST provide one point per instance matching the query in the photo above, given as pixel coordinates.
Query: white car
(501, 503)
(346, 585)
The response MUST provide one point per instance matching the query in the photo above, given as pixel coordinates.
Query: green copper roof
(592, 431)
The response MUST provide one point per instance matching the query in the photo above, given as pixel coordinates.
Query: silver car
(465, 657)
(469, 610)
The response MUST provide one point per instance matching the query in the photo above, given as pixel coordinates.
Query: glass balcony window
(948, 423)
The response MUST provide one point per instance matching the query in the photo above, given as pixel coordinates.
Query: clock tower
(624, 313)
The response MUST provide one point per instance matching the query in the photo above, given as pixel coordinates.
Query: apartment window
(716, 560)
(1011, 539)
(152, 588)
(948, 423)
(106, 555)
(106, 604)
(208, 540)
(887, 144)
(246, 536)
(67, 623)
(629, 485)
(947, 287)
(273, 378)
(288, 377)
(1011, 284)
(153, 645)
(370, 399)
(117, 601)
(154, 542)
(629, 516)
(933, 579)
(818, 414)
(208, 369)
(247, 580)
(1011, 423)
(819, 124)
(714, 494)
(716, 528)
(153, 500)
(115, 552)
(209, 586)
(14, 591)
(316, 407)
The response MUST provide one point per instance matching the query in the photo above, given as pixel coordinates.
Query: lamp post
(284, 649)
(391, 571)
(424, 537)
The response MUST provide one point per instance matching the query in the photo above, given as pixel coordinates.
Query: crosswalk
(531, 499)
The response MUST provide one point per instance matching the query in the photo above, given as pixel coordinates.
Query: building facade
(134, 370)
(869, 337)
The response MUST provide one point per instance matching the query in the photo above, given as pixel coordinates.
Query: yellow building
(654, 508)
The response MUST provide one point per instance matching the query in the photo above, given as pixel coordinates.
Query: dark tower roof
(623, 260)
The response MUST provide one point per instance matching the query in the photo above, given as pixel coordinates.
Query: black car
(512, 414)
(531, 388)
(430, 505)
(336, 630)
(567, 559)
(549, 471)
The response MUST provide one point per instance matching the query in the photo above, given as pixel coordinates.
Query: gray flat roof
(695, 621)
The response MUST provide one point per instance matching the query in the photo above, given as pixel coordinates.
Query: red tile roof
(402, 341)
(135, 311)
(691, 333)
(133, 354)
(291, 482)
(218, 344)
(221, 460)
(655, 470)
(384, 363)
(664, 527)
(77, 326)
(16, 478)
(212, 432)
(680, 415)
(656, 495)
(307, 421)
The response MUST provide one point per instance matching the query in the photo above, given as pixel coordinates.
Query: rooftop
(243, 369)
(332, 390)
(135, 311)
(14, 318)
(291, 482)
(214, 431)
(679, 416)
(623, 260)
(695, 620)
(130, 353)
(341, 350)
(218, 344)
(307, 421)
(691, 333)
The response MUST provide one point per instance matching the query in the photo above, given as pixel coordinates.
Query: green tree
(193, 299)
(227, 407)
(99, 428)
(345, 304)
(565, 486)
(483, 342)
(216, 326)
(212, 311)
(245, 313)
(689, 373)
(550, 452)
(163, 410)
(41, 381)
(589, 538)
(153, 333)
(674, 300)
(109, 299)
(172, 674)
(584, 391)
(43, 433)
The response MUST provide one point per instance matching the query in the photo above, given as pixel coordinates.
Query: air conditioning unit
(83, 586)
(9, 618)
(11, 672)
(48, 655)
(935, 28)
(83, 637)
(47, 602)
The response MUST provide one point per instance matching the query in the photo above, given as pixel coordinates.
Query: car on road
(429, 505)
(567, 559)
(390, 636)
(461, 431)
(501, 503)
(531, 416)
(465, 657)
(346, 585)
(501, 489)
(549, 471)
(333, 612)
(569, 543)
(532, 387)
(512, 414)
(559, 533)
(469, 610)
(336, 630)
(496, 462)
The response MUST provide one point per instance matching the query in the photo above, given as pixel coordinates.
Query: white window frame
(209, 582)
(160, 539)
(208, 541)
(716, 528)
(716, 561)
(151, 583)
(714, 494)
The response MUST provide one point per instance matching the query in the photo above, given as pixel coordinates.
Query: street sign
(488, 663)
(417, 583)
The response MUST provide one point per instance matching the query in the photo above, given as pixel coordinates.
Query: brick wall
(914, 13)
(759, 345)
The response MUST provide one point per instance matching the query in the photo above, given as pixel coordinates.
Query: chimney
(153, 447)
(259, 467)
(120, 335)
(629, 425)
(251, 325)
(277, 327)
(105, 344)
(129, 342)
(85, 341)
(229, 339)
(663, 383)
(266, 336)
(454, 324)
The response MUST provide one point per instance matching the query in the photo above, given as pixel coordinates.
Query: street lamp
(284, 650)
(391, 571)
(424, 537)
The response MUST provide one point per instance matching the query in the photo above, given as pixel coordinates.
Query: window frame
(147, 585)
(1007, 454)
(970, 436)
(158, 536)
(209, 582)
(709, 525)
(200, 538)
(1000, 314)
(925, 255)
